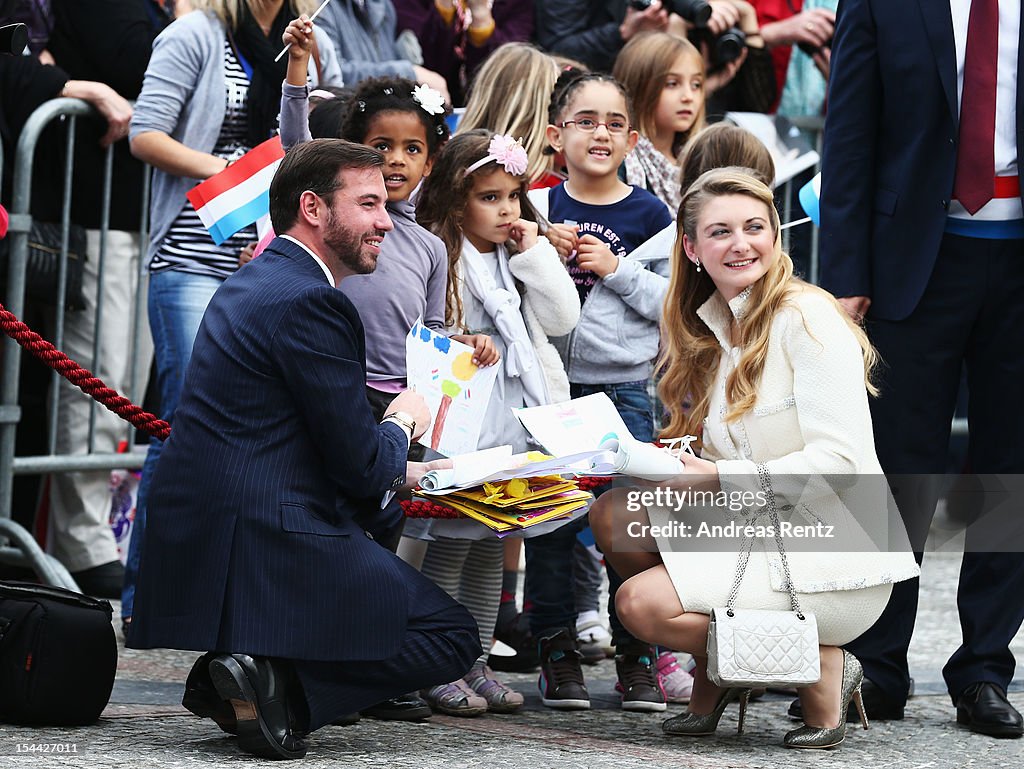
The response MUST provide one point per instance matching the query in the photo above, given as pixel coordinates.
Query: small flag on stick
(240, 194)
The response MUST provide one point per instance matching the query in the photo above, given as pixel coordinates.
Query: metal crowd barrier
(20, 549)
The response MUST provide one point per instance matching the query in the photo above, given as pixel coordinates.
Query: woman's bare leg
(610, 521)
(821, 702)
(650, 609)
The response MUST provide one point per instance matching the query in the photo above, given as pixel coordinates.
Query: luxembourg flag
(240, 194)
(809, 195)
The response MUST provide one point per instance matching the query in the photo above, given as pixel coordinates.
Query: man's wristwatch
(403, 420)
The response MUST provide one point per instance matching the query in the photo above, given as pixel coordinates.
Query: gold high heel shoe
(823, 737)
(694, 725)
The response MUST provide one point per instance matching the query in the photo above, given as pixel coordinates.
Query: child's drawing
(456, 389)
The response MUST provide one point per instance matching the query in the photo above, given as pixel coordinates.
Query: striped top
(188, 246)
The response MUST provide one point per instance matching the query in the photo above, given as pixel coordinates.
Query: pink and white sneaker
(675, 682)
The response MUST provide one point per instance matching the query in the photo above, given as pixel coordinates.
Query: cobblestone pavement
(145, 726)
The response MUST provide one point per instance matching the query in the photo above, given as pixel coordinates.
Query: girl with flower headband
(509, 283)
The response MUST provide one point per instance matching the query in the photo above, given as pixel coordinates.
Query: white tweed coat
(809, 437)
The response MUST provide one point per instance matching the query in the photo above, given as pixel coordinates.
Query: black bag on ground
(58, 656)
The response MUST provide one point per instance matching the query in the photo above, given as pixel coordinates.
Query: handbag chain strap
(747, 545)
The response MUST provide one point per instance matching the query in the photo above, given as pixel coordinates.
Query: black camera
(727, 46)
(13, 37)
(722, 48)
(697, 12)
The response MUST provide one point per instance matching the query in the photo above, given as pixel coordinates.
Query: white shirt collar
(317, 259)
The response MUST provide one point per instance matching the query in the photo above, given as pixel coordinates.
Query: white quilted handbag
(752, 647)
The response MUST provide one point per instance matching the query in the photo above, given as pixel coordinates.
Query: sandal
(499, 697)
(455, 699)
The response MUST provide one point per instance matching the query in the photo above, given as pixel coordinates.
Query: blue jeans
(177, 301)
(549, 557)
(633, 402)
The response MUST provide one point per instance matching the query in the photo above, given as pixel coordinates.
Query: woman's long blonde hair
(690, 351)
(510, 95)
(230, 11)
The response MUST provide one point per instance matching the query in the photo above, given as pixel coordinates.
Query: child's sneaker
(675, 682)
(561, 678)
(638, 681)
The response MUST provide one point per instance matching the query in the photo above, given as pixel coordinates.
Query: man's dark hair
(314, 166)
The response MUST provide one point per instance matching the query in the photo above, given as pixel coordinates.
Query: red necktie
(975, 158)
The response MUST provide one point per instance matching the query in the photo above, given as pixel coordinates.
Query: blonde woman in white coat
(507, 283)
(778, 379)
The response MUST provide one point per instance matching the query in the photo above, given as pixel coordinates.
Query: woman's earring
(696, 260)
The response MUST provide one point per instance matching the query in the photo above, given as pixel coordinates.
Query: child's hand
(594, 255)
(484, 351)
(245, 255)
(524, 234)
(299, 35)
(564, 238)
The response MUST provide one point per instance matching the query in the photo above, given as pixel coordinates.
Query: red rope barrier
(81, 377)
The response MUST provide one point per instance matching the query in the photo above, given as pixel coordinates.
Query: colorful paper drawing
(456, 389)
(578, 425)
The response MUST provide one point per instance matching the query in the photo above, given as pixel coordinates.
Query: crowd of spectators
(594, 108)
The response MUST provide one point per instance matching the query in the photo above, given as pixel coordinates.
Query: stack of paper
(517, 503)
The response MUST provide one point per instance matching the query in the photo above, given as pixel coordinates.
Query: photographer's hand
(654, 18)
(724, 14)
(813, 28)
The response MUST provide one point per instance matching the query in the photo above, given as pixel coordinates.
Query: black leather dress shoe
(258, 690)
(202, 699)
(983, 708)
(877, 705)
(407, 707)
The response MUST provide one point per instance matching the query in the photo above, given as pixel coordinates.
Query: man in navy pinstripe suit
(252, 548)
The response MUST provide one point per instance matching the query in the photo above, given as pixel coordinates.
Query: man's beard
(347, 246)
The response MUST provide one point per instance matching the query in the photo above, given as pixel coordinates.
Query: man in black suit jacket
(252, 548)
(940, 281)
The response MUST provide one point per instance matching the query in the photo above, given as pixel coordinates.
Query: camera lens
(728, 46)
(697, 12)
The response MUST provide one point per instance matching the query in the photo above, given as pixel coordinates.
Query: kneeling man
(253, 552)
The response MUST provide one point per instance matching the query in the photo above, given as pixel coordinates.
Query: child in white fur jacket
(475, 201)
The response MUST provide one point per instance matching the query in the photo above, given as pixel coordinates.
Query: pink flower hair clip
(506, 152)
